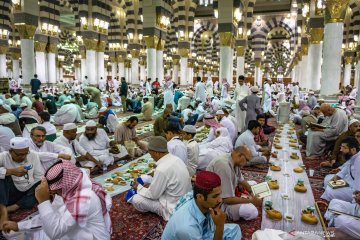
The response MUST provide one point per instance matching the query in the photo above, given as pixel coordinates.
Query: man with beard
(199, 207)
(49, 152)
(126, 132)
(241, 91)
(227, 123)
(161, 123)
(97, 143)
(79, 154)
(349, 148)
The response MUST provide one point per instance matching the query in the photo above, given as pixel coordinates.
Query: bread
(273, 184)
(300, 188)
(274, 154)
(277, 146)
(308, 217)
(298, 169)
(295, 157)
(275, 168)
(273, 214)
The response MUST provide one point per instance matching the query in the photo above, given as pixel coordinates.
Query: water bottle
(104, 168)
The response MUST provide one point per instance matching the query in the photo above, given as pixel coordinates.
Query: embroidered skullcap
(189, 129)
(353, 121)
(207, 180)
(69, 126)
(90, 123)
(158, 144)
(19, 143)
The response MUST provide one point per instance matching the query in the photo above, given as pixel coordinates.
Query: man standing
(155, 86)
(102, 84)
(171, 181)
(267, 96)
(123, 94)
(20, 173)
(200, 90)
(236, 194)
(148, 87)
(35, 84)
(252, 107)
(198, 215)
(241, 91)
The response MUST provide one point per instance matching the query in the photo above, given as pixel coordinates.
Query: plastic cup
(311, 172)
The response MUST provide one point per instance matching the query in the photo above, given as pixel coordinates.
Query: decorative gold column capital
(304, 49)
(26, 31)
(240, 51)
(176, 61)
(83, 54)
(190, 64)
(226, 39)
(135, 53)
(40, 46)
(112, 59)
(52, 48)
(348, 60)
(151, 41)
(101, 46)
(335, 10)
(161, 45)
(120, 59)
(142, 62)
(90, 44)
(15, 56)
(3, 49)
(258, 63)
(316, 35)
(184, 52)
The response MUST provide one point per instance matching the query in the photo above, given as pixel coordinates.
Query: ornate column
(333, 38)
(315, 57)
(15, 64)
(160, 60)
(348, 59)
(91, 68)
(135, 66)
(51, 63)
(151, 43)
(3, 50)
(184, 54)
(142, 69)
(258, 74)
(226, 43)
(40, 55)
(175, 76)
(83, 64)
(100, 60)
(240, 61)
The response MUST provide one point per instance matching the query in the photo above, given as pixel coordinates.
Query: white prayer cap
(353, 121)
(189, 129)
(6, 107)
(220, 112)
(67, 101)
(103, 109)
(69, 126)
(311, 92)
(90, 123)
(198, 99)
(23, 105)
(254, 89)
(19, 143)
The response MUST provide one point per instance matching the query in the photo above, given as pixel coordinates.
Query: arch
(213, 48)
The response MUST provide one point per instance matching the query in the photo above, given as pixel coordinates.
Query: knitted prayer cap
(158, 144)
(207, 180)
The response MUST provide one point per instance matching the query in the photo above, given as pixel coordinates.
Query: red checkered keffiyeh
(75, 189)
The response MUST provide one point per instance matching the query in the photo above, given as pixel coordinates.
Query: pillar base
(330, 98)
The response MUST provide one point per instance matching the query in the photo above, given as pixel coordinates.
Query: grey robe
(252, 109)
(335, 125)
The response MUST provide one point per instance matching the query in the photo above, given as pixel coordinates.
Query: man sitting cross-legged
(198, 214)
(20, 173)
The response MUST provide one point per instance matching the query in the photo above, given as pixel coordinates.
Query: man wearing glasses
(20, 173)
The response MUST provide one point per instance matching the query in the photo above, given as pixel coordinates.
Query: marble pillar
(331, 67)
(91, 67)
(3, 72)
(121, 69)
(357, 75)
(15, 70)
(160, 65)
(41, 66)
(142, 72)
(175, 76)
(113, 70)
(83, 68)
(347, 75)
(51, 60)
(240, 66)
(314, 66)
(183, 71)
(305, 78)
(27, 60)
(225, 63)
(135, 71)
(100, 66)
(151, 63)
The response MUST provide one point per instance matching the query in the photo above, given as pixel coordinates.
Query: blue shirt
(189, 223)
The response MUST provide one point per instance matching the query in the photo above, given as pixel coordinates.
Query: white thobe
(192, 156)
(353, 93)
(241, 92)
(9, 101)
(267, 98)
(201, 111)
(295, 92)
(247, 138)
(112, 123)
(116, 84)
(48, 152)
(183, 103)
(335, 125)
(102, 85)
(7, 118)
(211, 136)
(177, 148)
(200, 91)
(227, 123)
(27, 101)
(185, 114)
(6, 134)
(210, 88)
(147, 88)
(170, 182)
(56, 222)
(68, 113)
(16, 98)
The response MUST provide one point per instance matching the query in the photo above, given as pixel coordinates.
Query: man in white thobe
(110, 118)
(184, 101)
(267, 96)
(6, 134)
(170, 182)
(148, 87)
(200, 90)
(175, 146)
(336, 122)
(295, 93)
(209, 87)
(68, 113)
(228, 124)
(49, 152)
(102, 84)
(241, 91)
(97, 143)
(192, 147)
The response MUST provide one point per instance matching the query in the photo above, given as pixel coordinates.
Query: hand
(357, 196)
(42, 191)
(10, 225)
(335, 178)
(18, 172)
(193, 178)
(334, 171)
(64, 156)
(256, 201)
(114, 150)
(218, 216)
